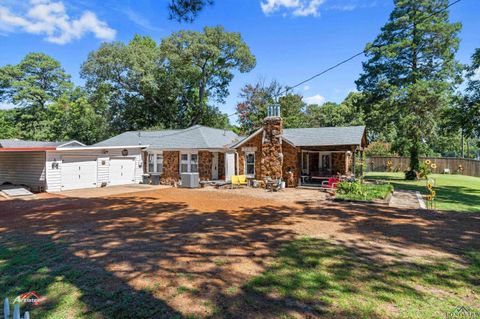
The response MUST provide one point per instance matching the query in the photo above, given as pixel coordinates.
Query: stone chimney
(272, 156)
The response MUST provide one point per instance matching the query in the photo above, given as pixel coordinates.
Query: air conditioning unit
(190, 180)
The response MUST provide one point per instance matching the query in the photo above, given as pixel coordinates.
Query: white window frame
(254, 163)
(155, 162)
(188, 161)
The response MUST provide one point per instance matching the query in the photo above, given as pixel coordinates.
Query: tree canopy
(187, 10)
(173, 84)
(411, 72)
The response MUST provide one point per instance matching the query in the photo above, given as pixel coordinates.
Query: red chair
(331, 183)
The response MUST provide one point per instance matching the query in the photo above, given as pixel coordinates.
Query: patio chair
(239, 180)
(330, 184)
(274, 185)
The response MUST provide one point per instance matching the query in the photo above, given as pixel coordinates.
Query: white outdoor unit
(190, 180)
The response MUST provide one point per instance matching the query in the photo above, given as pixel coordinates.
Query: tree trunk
(414, 158)
(463, 146)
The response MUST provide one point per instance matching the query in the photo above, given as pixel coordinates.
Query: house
(298, 156)
(197, 149)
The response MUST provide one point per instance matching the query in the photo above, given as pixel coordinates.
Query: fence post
(16, 311)
(6, 308)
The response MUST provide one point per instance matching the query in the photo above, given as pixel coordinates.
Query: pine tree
(411, 71)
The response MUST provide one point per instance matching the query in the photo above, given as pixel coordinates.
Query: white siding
(54, 176)
(23, 168)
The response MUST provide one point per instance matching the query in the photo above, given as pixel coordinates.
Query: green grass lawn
(454, 192)
(332, 281)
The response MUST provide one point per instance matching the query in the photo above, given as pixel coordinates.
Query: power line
(288, 88)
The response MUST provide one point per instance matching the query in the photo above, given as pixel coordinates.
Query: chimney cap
(273, 110)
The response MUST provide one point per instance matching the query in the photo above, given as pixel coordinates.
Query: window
(250, 164)
(155, 163)
(184, 163)
(189, 163)
(194, 163)
(325, 162)
(160, 163)
(305, 166)
(151, 163)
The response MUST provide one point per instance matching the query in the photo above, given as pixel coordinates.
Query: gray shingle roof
(15, 143)
(195, 137)
(325, 136)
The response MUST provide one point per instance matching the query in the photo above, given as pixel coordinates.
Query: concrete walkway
(404, 199)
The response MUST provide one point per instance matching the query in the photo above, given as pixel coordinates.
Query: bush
(411, 175)
(378, 148)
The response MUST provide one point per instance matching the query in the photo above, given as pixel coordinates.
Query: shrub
(411, 175)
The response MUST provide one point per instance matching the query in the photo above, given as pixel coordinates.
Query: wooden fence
(16, 311)
(455, 165)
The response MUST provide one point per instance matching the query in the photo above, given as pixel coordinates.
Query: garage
(122, 170)
(79, 172)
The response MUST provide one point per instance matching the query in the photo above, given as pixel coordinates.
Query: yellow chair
(242, 179)
(239, 180)
(235, 180)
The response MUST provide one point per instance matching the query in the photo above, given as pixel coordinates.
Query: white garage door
(122, 171)
(79, 172)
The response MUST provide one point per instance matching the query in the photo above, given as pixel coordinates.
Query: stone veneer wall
(339, 163)
(271, 161)
(170, 174)
(255, 142)
(205, 165)
(290, 163)
(221, 165)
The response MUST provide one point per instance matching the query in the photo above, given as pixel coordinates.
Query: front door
(215, 166)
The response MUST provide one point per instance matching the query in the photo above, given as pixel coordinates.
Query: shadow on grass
(318, 278)
(461, 198)
(147, 257)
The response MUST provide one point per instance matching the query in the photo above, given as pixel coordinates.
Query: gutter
(27, 149)
(87, 148)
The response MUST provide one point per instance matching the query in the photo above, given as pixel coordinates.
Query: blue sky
(291, 39)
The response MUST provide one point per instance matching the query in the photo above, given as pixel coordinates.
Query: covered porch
(319, 163)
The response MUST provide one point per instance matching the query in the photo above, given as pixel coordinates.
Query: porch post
(353, 162)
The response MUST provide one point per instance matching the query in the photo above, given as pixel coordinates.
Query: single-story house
(298, 156)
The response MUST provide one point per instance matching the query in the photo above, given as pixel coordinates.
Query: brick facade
(170, 174)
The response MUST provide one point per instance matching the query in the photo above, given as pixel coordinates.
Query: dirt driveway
(211, 243)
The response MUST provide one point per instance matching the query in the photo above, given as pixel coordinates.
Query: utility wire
(288, 88)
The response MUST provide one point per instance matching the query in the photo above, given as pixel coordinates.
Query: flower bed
(357, 191)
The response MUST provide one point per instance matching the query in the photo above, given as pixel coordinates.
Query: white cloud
(50, 18)
(315, 99)
(140, 20)
(303, 8)
(476, 75)
(306, 88)
(300, 8)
